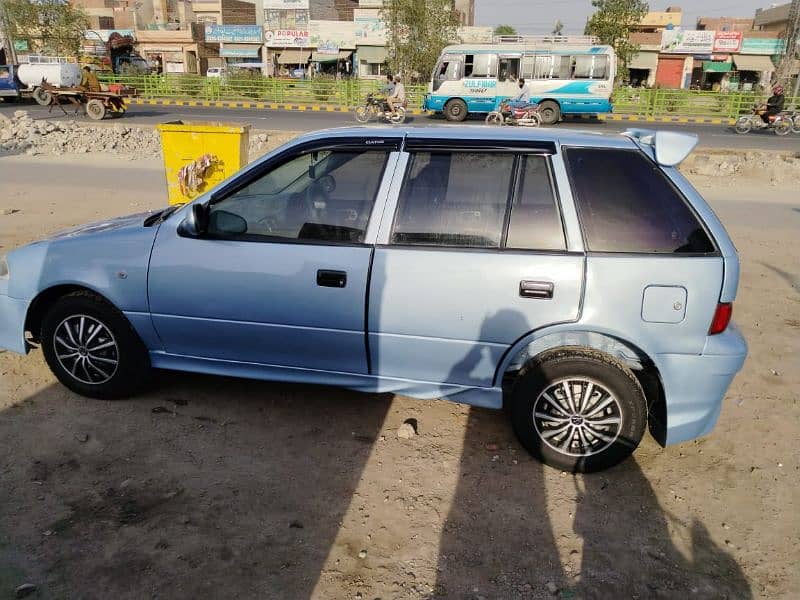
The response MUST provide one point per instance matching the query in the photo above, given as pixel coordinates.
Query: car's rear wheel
(92, 348)
(549, 112)
(578, 409)
(456, 110)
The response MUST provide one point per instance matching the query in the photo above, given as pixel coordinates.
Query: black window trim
(512, 195)
(388, 145)
(628, 253)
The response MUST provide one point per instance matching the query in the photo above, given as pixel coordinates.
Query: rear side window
(626, 204)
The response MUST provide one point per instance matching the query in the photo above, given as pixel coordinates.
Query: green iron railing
(351, 92)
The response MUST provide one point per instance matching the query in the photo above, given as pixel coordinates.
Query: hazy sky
(538, 16)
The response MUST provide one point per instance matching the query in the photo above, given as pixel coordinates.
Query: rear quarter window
(627, 204)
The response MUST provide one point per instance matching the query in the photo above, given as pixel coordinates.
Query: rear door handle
(334, 279)
(540, 290)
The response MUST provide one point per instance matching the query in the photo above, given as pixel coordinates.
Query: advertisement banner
(286, 4)
(727, 41)
(370, 27)
(239, 51)
(689, 41)
(239, 34)
(285, 19)
(768, 46)
(287, 38)
(341, 34)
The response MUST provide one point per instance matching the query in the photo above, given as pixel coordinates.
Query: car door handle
(541, 290)
(334, 279)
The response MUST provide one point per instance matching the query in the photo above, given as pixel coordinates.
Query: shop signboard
(341, 34)
(727, 41)
(287, 38)
(768, 46)
(239, 51)
(235, 34)
(286, 4)
(370, 27)
(687, 41)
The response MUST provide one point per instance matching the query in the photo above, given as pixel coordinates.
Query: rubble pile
(778, 168)
(23, 135)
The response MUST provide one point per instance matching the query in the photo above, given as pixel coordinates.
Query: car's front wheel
(92, 348)
(578, 410)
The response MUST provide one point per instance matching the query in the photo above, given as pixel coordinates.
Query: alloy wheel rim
(577, 416)
(86, 349)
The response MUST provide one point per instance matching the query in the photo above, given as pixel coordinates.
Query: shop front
(753, 71)
(642, 69)
(372, 61)
(239, 45)
(178, 51)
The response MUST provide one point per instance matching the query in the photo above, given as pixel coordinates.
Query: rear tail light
(722, 318)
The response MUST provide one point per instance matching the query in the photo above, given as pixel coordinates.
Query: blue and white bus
(565, 75)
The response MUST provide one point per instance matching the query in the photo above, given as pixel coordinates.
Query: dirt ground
(207, 487)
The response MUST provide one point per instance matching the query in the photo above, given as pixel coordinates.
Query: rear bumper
(12, 324)
(694, 386)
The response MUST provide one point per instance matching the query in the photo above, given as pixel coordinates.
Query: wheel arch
(45, 299)
(641, 363)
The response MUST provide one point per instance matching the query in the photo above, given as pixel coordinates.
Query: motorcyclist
(522, 99)
(774, 104)
(398, 96)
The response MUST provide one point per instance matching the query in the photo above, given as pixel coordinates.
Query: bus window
(583, 67)
(543, 67)
(480, 65)
(527, 67)
(563, 68)
(509, 69)
(449, 71)
(600, 67)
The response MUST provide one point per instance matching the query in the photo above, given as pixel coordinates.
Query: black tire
(132, 369)
(549, 112)
(589, 372)
(456, 110)
(41, 96)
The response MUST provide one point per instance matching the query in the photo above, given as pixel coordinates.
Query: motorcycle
(524, 116)
(781, 123)
(378, 108)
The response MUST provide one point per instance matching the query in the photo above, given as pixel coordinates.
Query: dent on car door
(280, 278)
(474, 257)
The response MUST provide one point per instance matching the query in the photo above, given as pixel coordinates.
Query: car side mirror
(222, 222)
(196, 223)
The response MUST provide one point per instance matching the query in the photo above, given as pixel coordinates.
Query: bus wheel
(455, 110)
(549, 112)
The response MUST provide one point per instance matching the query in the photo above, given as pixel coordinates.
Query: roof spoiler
(669, 147)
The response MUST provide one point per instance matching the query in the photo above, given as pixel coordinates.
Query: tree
(612, 23)
(505, 30)
(52, 26)
(558, 27)
(418, 30)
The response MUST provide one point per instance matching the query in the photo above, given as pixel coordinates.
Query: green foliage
(418, 30)
(51, 26)
(505, 30)
(558, 28)
(612, 23)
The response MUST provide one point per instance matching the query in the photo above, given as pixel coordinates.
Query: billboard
(727, 41)
(370, 27)
(239, 34)
(286, 4)
(330, 34)
(768, 46)
(687, 41)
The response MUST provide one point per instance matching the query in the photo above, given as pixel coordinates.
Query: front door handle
(541, 290)
(334, 279)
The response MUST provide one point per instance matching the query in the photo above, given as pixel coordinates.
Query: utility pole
(791, 38)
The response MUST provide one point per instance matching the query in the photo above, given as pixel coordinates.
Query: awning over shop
(372, 54)
(342, 55)
(753, 62)
(644, 60)
(294, 57)
(710, 66)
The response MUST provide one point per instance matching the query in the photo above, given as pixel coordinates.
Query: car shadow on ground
(216, 487)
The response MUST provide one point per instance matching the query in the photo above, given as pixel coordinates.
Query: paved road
(711, 136)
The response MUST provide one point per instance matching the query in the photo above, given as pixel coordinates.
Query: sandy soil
(218, 488)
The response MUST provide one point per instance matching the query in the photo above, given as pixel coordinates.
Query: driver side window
(324, 196)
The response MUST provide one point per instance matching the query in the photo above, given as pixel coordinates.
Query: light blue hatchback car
(578, 280)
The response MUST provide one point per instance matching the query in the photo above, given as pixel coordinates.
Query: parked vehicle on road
(27, 79)
(781, 123)
(377, 108)
(524, 116)
(566, 75)
(577, 279)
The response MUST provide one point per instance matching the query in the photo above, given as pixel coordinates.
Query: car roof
(519, 135)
